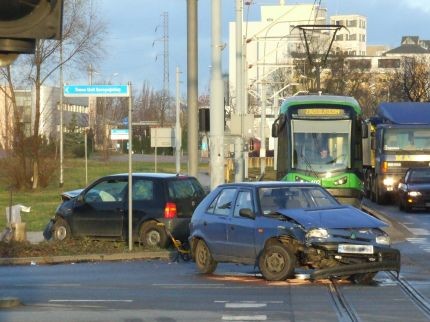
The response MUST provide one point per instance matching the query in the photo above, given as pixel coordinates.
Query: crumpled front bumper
(388, 259)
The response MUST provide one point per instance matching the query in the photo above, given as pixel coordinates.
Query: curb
(397, 232)
(166, 255)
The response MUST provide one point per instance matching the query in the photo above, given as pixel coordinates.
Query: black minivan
(101, 209)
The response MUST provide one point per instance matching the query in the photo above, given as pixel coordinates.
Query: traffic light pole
(216, 101)
(192, 87)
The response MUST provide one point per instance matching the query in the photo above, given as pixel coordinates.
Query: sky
(134, 50)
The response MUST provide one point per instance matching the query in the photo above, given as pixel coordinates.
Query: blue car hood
(334, 217)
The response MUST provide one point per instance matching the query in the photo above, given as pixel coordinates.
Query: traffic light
(24, 21)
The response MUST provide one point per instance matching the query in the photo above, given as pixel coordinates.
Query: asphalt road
(173, 291)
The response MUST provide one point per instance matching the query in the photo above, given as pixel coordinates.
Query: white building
(270, 42)
(73, 109)
(353, 38)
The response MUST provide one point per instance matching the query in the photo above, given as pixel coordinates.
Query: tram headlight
(299, 179)
(341, 181)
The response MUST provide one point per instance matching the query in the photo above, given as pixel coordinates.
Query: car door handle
(231, 227)
(205, 223)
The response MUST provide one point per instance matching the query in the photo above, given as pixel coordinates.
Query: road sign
(162, 137)
(96, 90)
(119, 134)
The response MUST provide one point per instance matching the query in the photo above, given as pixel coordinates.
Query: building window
(388, 63)
(339, 38)
(353, 37)
(352, 23)
(360, 63)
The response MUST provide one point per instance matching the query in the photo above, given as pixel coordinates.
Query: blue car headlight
(383, 240)
(317, 233)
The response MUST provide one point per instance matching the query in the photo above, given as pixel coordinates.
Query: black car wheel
(204, 260)
(363, 278)
(277, 262)
(153, 235)
(61, 230)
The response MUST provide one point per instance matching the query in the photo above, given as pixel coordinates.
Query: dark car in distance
(414, 189)
(284, 226)
(160, 201)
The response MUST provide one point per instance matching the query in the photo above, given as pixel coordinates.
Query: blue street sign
(96, 90)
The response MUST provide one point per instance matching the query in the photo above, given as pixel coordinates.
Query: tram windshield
(321, 146)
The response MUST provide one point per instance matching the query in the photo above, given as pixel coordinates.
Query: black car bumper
(383, 259)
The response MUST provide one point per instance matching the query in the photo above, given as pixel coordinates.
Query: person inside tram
(325, 157)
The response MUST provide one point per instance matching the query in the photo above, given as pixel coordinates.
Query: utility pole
(216, 101)
(192, 87)
(238, 153)
(61, 117)
(178, 126)
(165, 66)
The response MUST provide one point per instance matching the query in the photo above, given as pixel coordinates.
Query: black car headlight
(414, 194)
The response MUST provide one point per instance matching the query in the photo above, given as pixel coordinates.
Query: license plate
(355, 249)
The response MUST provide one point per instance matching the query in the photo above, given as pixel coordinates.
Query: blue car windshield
(273, 198)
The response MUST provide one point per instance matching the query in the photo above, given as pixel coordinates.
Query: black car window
(419, 176)
(184, 188)
(223, 202)
(143, 190)
(244, 200)
(106, 191)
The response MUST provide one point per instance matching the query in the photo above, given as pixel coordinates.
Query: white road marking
(416, 240)
(244, 305)
(189, 285)
(419, 231)
(244, 317)
(86, 301)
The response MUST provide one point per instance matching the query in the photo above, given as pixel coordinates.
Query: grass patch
(43, 202)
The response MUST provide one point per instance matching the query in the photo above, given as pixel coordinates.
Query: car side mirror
(80, 198)
(247, 213)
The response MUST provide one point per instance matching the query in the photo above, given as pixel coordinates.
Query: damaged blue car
(282, 227)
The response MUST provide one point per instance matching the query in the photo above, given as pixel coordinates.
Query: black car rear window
(184, 188)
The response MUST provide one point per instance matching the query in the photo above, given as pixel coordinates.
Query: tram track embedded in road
(413, 294)
(344, 310)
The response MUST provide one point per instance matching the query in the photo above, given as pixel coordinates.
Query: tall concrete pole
(192, 87)
(263, 129)
(61, 118)
(238, 153)
(177, 126)
(216, 102)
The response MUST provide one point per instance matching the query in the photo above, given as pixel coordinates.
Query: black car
(284, 226)
(414, 189)
(101, 209)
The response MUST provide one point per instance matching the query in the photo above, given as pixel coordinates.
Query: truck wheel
(380, 196)
(277, 262)
(372, 190)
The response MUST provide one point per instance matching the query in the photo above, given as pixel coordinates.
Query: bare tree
(414, 78)
(83, 34)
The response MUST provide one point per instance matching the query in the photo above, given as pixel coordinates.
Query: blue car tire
(204, 260)
(277, 262)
